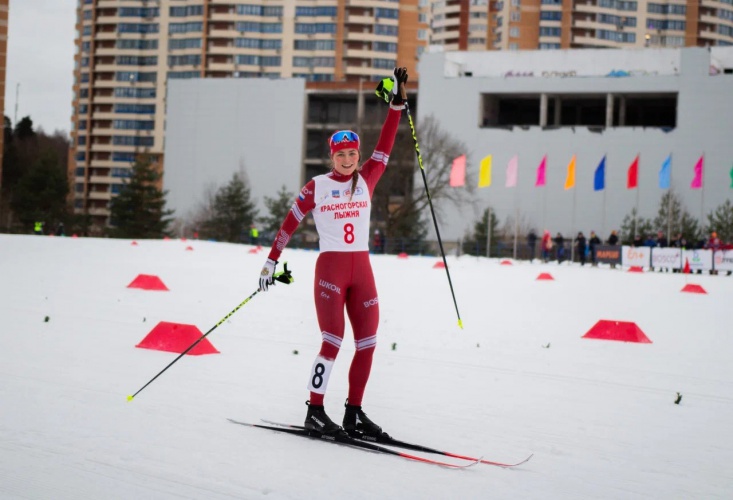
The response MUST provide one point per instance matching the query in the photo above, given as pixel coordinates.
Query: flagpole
(488, 238)
(669, 204)
(572, 224)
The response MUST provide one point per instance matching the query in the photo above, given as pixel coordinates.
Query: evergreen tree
(474, 243)
(277, 209)
(635, 225)
(139, 211)
(672, 217)
(231, 212)
(720, 220)
(40, 194)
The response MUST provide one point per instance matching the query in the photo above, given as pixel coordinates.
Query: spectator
(714, 242)
(254, 235)
(638, 241)
(38, 227)
(594, 240)
(60, 229)
(613, 239)
(378, 242)
(661, 240)
(531, 243)
(560, 244)
(650, 241)
(546, 245)
(581, 247)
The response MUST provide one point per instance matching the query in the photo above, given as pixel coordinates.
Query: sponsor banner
(723, 260)
(698, 259)
(635, 256)
(608, 254)
(667, 258)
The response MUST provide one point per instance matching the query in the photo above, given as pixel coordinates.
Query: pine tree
(40, 193)
(231, 212)
(673, 218)
(277, 209)
(139, 211)
(720, 220)
(644, 227)
(475, 242)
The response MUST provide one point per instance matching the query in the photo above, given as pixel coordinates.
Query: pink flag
(458, 172)
(541, 172)
(511, 171)
(697, 181)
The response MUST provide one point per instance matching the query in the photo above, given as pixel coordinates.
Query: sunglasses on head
(344, 136)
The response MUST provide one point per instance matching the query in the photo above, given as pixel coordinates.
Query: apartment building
(128, 51)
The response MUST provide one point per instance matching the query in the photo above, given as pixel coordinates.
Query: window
(187, 10)
(185, 60)
(137, 28)
(383, 63)
(79, 171)
(137, 44)
(81, 140)
(261, 60)
(183, 75)
(148, 109)
(384, 47)
(381, 29)
(386, 13)
(185, 27)
(516, 15)
(315, 28)
(184, 43)
(137, 60)
(133, 124)
(134, 93)
(122, 172)
(256, 43)
(255, 27)
(514, 32)
(119, 156)
(314, 45)
(116, 188)
(138, 12)
(133, 76)
(551, 15)
(315, 11)
(545, 31)
(129, 140)
(616, 36)
(657, 8)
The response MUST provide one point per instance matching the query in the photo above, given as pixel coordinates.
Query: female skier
(341, 204)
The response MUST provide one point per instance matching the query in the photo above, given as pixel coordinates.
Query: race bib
(321, 370)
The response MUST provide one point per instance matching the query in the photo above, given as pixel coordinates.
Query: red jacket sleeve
(374, 167)
(303, 204)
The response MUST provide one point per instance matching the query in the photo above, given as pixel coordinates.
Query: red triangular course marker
(402, 255)
(624, 331)
(148, 282)
(545, 276)
(693, 289)
(439, 265)
(189, 248)
(506, 263)
(253, 250)
(636, 269)
(134, 243)
(176, 337)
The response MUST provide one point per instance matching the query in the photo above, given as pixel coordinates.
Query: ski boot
(357, 424)
(316, 420)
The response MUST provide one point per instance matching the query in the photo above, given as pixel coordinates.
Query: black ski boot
(357, 424)
(317, 420)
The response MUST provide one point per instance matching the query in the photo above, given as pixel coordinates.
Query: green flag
(731, 177)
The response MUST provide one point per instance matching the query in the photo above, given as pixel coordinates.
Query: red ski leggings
(345, 279)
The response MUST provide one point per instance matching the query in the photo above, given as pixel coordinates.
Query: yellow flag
(570, 178)
(484, 175)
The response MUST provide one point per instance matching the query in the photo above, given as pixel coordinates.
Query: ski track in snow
(599, 416)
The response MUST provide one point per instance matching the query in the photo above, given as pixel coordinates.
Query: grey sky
(41, 60)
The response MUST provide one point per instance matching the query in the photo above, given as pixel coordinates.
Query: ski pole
(384, 90)
(283, 277)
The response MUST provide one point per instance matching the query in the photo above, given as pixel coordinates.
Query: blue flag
(665, 174)
(599, 180)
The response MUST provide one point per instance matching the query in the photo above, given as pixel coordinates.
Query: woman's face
(346, 161)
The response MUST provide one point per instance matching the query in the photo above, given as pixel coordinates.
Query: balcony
(99, 195)
(354, 19)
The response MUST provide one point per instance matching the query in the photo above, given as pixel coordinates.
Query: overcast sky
(41, 60)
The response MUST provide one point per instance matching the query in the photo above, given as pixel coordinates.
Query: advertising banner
(723, 260)
(667, 258)
(698, 259)
(608, 254)
(635, 256)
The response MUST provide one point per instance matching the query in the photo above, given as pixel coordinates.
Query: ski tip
(460, 324)
(129, 398)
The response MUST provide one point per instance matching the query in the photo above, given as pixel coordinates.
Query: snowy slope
(599, 416)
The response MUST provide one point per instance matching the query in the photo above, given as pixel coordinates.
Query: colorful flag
(458, 172)
(599, 179)
(570, 177)
(513, 166)
(697, 180)
(484, 174)
(665, 174)
(541, 172)
(731, 177)
(632, 176)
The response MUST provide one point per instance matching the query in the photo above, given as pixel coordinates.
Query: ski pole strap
(285, 276)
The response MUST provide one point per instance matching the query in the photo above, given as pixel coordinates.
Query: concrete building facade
(587, 105)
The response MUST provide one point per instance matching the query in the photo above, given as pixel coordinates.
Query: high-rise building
(127, 51)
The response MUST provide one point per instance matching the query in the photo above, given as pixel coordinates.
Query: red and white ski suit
(343, 276)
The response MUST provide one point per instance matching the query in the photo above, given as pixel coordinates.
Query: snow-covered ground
(599, 416)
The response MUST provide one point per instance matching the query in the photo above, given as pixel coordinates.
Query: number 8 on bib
(320, 372)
